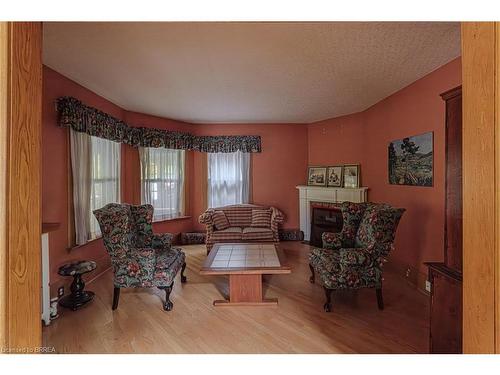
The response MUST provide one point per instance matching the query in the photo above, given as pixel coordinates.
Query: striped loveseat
(241, 223)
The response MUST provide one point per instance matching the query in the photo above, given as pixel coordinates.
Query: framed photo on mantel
(316, 176)
(335, 176)
(351, 176)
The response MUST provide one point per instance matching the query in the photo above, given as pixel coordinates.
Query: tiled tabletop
(245, 256)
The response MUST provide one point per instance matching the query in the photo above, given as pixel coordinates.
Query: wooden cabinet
(446, 309)
(446, 277)
(453, 182)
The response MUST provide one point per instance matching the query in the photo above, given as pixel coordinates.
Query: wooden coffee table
(245, 263)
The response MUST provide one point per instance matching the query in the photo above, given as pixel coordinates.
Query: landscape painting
(411, 160)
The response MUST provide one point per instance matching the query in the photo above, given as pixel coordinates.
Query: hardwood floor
(297, 325)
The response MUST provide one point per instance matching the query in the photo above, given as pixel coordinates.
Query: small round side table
(78, 296)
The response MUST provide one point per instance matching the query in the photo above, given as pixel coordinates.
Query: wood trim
(480, 186)
(204, 180)
(456, 91)
(186, 206)
(20, 176)
(497, 187)
(70, 209)
(4, 115)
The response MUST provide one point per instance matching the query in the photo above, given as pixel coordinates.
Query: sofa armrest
(277, 216)
(162, 241)
(206, 217)
(332, 241)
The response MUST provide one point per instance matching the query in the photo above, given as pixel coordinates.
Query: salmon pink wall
(363, 138)
(275, 171)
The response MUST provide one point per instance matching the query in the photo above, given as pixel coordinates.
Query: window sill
(173, 219)
(154, 222)
(75, 247)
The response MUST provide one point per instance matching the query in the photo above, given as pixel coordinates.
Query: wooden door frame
(481, 186)
(20, 185)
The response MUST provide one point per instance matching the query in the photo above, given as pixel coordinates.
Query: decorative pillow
(220, 220)
(261, 219)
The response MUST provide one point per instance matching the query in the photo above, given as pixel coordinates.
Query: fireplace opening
(324, 218)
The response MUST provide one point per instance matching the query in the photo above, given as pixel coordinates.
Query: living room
(249, 187)
(273, 173)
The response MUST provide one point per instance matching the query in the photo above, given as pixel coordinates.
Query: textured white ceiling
(248, 72)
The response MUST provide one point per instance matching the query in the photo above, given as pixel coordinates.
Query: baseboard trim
(410, 274)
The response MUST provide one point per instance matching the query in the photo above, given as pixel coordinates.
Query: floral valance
(82, 118)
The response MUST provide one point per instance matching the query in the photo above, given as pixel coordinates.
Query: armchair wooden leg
(168, 305)
(116, 297)
(312, 278)
(380, 299)
(183, 278)
(328, 304)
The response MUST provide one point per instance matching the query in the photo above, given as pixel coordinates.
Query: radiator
(45, 292)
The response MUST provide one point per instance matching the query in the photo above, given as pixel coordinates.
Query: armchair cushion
(220, 220)
(168, 263)
(332, 240)
(137, 268)
(338, 275)
(261, 219)
(354, 257)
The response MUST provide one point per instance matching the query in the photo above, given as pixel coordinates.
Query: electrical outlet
(428, 285)
(60, 291)
(408, 272)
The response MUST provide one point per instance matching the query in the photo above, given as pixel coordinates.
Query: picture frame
(352, 176)
(411, 160)
(316, 176)
(335, 176)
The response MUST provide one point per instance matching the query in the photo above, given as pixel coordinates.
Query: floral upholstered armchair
(353, 258)
(140, 259)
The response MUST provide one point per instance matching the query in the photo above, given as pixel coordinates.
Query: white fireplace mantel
(308, 194)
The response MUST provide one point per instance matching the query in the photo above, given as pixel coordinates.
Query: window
(162, 181)
(95, 164)
(105, 174)
(228, 178)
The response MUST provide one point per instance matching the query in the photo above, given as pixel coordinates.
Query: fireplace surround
(314, 195)
(325, 217)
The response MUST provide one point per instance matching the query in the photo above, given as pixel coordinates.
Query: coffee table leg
(245, 289)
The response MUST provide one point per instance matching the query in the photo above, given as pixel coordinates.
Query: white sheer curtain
(162, 181)
(81, 168)
(105, 186)
(228, 178)
(95, 163)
